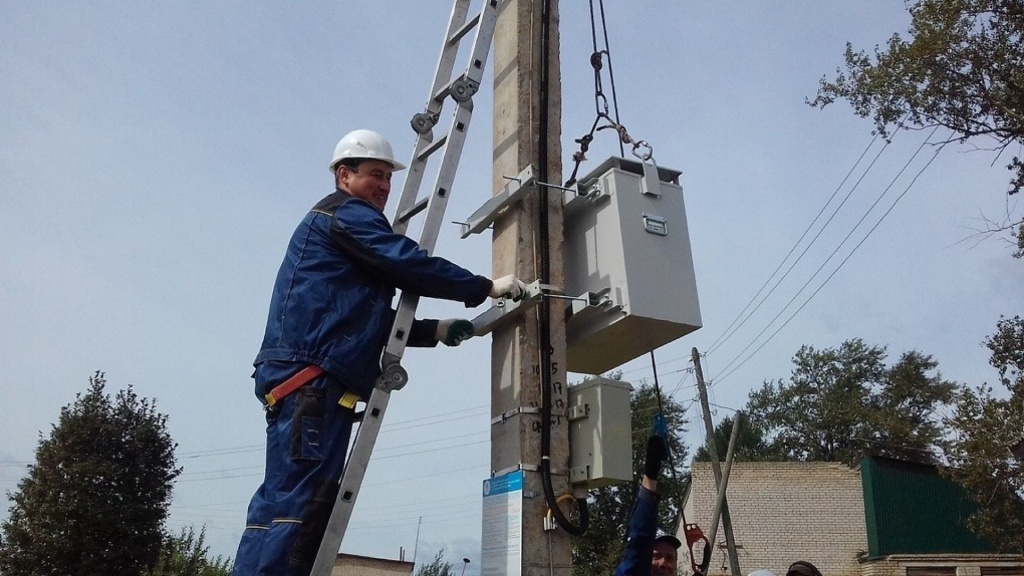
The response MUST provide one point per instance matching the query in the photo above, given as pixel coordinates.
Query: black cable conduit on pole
(545, 304)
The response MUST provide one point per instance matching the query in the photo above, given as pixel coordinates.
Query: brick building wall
(354, 565)
(785, 511)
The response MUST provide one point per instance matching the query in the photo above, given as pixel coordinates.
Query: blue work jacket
(331, 304)
(643, 525)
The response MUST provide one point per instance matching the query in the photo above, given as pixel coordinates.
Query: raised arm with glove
(657, 452)
(649, 551)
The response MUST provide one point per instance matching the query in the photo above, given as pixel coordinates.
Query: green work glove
(454, 331)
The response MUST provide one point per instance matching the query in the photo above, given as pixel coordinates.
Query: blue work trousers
(307, 440)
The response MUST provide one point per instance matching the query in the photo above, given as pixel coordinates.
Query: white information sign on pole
(502, 531)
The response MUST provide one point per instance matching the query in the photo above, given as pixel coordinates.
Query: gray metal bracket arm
(506, 309)
(508, 195)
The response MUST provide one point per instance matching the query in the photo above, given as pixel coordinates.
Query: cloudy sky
(157, 156)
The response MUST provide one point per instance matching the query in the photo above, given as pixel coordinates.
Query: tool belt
(301, 378)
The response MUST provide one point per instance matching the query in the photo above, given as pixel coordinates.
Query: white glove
(453, 331)
(508, 287)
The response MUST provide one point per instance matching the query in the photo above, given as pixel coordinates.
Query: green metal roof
(911, 509)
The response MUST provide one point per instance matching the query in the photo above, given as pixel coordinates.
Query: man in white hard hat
(649, 551)
(330, 315)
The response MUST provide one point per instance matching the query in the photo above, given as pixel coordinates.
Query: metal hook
(646, 156)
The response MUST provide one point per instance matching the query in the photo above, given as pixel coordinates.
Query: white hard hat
(364, 144)
(762, 572)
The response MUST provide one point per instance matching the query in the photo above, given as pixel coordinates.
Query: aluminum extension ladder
(461, 89)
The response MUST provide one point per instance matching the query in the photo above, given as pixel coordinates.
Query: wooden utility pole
(523, 112)
(716, 467)
(723, 485)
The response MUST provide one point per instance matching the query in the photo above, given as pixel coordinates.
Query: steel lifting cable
(602, 113)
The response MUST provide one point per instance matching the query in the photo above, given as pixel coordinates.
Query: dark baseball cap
(663, 536)
(802, 568)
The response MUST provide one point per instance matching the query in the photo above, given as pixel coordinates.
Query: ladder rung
(445, 90)
(434, 147)
(412, 212)
(465, 29)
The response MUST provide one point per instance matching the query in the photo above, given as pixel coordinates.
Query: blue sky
(157, 156)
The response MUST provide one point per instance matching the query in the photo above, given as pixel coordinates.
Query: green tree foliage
(599, 550)
(987, 450)
(961, 69)
(750, 444)
(844, 403)
(96, 498)
(438, 567)
(188, 555)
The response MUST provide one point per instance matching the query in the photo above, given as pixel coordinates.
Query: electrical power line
(852, 252)
(726, 333)
(804, 252)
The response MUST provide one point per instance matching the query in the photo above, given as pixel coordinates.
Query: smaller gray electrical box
(628, 265)
(600, 433)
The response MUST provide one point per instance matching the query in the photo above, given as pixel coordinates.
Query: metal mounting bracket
(505, 309)
(579, 196)
(589, 304)
(508, 195)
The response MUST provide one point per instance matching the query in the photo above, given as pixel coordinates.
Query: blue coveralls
(331, 307)
(643, 525)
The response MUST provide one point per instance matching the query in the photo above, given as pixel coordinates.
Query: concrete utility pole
(716, 467)
(520, 117)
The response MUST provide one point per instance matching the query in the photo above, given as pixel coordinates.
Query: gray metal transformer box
(600, 433)
(628, 258)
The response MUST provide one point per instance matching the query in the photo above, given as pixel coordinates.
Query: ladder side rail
(352, 479)
(456, 135)
(404, 315)
(445, 178)
(442, 75)
(411, 188)
(438, 201)
(483, 40)
(431, 227)
(437, 204)
(449, 52)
